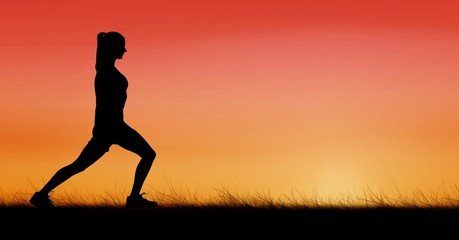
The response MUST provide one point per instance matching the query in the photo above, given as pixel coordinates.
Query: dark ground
(227, 223)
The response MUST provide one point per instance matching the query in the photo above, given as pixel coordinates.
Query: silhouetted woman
(109, 126)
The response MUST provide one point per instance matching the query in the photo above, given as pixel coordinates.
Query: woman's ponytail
(100, 45)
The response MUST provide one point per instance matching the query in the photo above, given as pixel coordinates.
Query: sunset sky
(312, 96)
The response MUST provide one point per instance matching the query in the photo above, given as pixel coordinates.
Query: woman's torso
(111, 94)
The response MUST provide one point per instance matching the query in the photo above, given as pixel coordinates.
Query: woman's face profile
(119, 49)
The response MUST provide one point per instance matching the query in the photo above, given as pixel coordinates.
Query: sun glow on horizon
(338, 183)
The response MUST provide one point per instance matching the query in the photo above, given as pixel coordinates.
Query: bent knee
(150, 155)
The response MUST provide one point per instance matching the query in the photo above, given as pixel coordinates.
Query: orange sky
(250, 95)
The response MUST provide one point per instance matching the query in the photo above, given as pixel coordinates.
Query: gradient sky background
(253, 96)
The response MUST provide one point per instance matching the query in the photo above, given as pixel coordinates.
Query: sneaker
(41, 200)
(140, 202)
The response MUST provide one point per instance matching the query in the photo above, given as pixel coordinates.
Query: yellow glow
(337, 184)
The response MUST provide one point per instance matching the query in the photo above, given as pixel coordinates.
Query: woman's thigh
(91, 153)
(131, 140)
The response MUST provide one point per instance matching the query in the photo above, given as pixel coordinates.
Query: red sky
(252, 95)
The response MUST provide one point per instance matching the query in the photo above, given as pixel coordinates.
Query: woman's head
(110, 46)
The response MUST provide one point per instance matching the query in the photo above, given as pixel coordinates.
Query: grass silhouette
(224, 197)
(184, 213)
